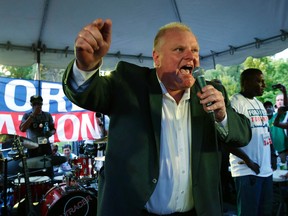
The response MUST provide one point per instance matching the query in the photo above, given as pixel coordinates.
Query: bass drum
(62, 200)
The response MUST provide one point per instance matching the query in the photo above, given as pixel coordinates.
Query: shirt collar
(186, 95)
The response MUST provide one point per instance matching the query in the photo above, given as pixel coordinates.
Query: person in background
(39, 126)
(55, 147)
(268, 105)
(279, 135)
(67, 166)
(103, 123)
(251, 165)
(280, 98)
(55, 152)
(284, 124)
(163, 140)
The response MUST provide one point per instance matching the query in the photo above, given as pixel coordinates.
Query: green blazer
(132, 98)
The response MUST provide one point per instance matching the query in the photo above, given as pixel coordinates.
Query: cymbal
(27, 143)
(38, 162)
(101, 140)
(57, 160)
(14, 153)
(7, 149)
(44, 161)
(5, 137)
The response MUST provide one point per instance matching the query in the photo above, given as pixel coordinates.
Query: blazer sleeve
(95, 94)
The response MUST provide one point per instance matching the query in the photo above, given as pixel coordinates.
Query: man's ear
(156, 59)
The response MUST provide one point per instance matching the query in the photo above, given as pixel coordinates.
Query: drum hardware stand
(19, 183)
(4, 210)
(31, 211)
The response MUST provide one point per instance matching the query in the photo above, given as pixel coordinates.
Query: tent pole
(213, 58)
(38, 52)
(214, 62)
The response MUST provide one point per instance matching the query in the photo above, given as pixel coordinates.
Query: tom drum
(39, 185)
(62, 200)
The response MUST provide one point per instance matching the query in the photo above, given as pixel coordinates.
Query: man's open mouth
(186, 69)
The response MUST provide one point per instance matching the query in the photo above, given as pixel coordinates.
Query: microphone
(198, 74)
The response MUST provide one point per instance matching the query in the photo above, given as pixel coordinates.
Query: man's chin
(187, 85)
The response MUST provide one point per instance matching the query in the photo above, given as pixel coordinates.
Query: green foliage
(19, 72)
(275, 71)
(30, 72)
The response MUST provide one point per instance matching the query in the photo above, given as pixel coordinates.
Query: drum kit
(25, 194)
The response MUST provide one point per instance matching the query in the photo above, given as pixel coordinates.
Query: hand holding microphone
(211, 99)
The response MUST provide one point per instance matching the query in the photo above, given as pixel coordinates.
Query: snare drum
(39, 186)
(84, 167)
(58, 179)
(62, 200)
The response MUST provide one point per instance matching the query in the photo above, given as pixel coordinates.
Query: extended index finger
(100, 30)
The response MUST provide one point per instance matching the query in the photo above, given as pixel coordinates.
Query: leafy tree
(275, 71)
(19, 72)
(29, 73)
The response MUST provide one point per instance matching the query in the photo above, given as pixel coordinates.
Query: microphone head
(198, 74)
(197, 71)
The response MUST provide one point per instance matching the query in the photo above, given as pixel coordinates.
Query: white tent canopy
(228, 30)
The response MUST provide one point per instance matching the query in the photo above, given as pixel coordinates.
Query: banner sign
(72, 123)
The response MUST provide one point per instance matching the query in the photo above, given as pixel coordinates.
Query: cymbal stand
(18, 186)
(5, 186)
(45, 160)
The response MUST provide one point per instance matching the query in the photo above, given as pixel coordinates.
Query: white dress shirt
(173, 192)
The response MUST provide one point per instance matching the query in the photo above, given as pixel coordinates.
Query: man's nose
(190, 54)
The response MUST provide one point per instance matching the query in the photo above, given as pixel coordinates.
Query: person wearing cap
(39, 126)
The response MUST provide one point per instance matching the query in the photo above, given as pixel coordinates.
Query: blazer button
(154, 181)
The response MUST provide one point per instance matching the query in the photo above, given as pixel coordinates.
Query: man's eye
(179, 49)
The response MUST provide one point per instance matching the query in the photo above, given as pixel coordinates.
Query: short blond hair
(170, 26)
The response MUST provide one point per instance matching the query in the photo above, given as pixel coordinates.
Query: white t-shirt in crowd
(258, 148)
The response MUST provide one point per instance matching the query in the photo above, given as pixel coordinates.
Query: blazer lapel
(197, 132)
(155, 94)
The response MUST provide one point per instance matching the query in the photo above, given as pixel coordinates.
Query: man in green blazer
(162, 156)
